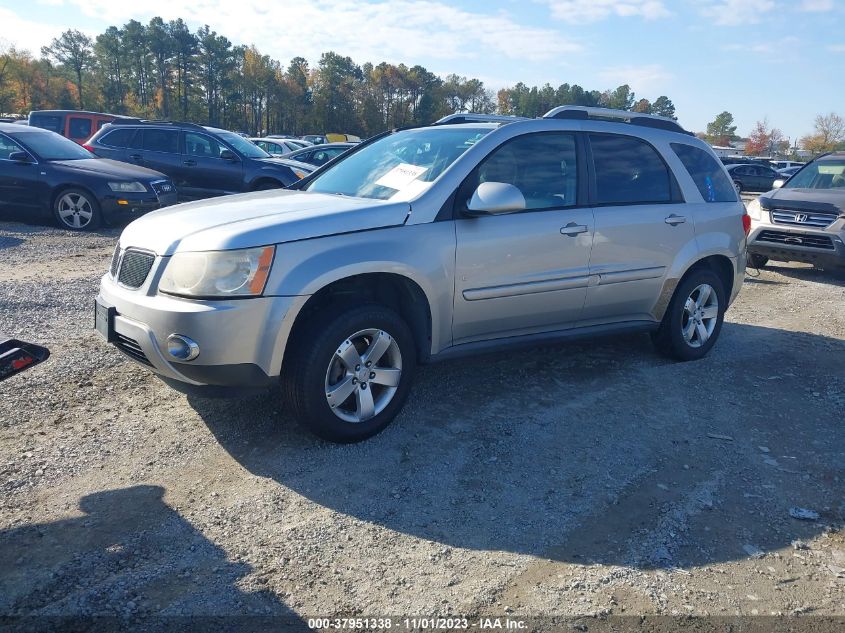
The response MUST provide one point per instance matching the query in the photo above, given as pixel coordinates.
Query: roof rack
(472, 117)
(136, 121)
(584, 113)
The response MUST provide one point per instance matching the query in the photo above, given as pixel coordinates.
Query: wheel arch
(256, 183)
(396, 291)
(718, 263)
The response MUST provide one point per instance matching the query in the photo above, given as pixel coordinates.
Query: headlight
(241, 273)
(755, 210)
(127, 187)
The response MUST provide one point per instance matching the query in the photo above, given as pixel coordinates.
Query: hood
(107, 167)
(257, 219)
(822, 200)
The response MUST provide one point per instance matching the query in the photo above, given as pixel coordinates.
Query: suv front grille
(131, 348)
(795, 239)
(134, 268)
(803, 218)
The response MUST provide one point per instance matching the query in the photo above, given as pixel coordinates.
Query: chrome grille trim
(814, 219)
(115, 261)
(134, 267)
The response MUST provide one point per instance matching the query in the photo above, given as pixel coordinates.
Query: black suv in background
(202, 161)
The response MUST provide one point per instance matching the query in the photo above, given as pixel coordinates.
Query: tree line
(163, 70)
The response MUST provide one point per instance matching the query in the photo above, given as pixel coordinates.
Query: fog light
(182, 348)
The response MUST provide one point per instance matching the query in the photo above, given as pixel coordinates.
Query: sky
(780, 59)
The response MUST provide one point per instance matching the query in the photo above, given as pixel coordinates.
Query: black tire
(738, 186)
(77, 221)
(304, 375)
(669, 338)
(757, 261)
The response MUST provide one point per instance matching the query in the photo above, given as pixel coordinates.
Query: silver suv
(472, 234)
(804, 219)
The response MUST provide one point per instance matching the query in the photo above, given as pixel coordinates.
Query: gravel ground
(588, 479)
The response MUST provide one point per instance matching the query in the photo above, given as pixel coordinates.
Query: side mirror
(494, 198)
(777, 184)
(227, 154)
(20, 157)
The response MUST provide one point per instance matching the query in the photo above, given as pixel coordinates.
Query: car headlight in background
(241, 273)
(127, 187)
(755, 211)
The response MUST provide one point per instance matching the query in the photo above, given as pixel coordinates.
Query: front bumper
(823, 248)
(132, 204)
(241, 341)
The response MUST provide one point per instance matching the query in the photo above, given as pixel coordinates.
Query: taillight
(746, 223)
(88, 147)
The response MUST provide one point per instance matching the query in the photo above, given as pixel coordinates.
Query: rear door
(202, 172)
(524, 272)
(641, 226)
(156, 148)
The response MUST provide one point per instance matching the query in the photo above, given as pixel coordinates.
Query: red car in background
(77, 125)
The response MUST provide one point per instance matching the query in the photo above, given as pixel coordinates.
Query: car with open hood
(477, 233)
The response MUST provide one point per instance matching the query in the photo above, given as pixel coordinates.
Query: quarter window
(118, 138)
(544, 167)
(628, 170)
(707, 174)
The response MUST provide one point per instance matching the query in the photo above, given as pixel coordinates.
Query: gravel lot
(588, 479)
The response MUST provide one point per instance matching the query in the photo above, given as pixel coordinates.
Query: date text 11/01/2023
(418, 624)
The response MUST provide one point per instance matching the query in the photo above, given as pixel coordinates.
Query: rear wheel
(693, 320)
(77, 210)
(347, 376)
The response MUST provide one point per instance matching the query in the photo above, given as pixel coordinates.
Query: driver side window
(542, 166)
(8, 147)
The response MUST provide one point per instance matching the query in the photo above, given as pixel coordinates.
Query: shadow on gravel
(807, 273)
(129, 559)
(596, 452)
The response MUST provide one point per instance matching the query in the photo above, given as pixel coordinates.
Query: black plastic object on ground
(15, 356)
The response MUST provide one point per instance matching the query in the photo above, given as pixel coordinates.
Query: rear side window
(628, 170)
(52, 122)
(117, 138)
(161, 141)
(706, 173)
(79, 128)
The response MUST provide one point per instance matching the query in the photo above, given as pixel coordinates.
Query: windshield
(821, 174)
(399, 166)
(52, 146)
(244, 147)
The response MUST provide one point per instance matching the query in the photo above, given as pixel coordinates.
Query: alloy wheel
(363, 375)
(701, 313)
(75, 210)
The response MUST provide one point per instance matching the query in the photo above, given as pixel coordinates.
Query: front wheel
(738, 186)
(693, 320)
(347, 376)
(757, 261)
(77, 210)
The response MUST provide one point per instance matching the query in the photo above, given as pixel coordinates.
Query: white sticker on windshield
(401, 176)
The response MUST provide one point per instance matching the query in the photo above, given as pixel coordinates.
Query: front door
(524, 272)
(203, 173)
(18, 180)
(641, 226)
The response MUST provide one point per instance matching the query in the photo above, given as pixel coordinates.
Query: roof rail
(603, 114)
(136, 121)
(472, 117)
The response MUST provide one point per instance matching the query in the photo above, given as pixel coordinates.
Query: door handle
(674, 220)
(189, 163)
(135, 156)
(573, 229)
